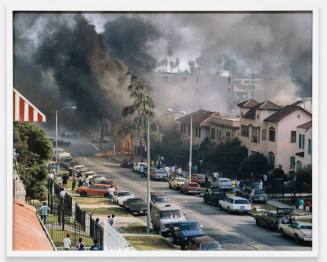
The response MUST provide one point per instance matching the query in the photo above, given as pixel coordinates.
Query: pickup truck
(184, 231)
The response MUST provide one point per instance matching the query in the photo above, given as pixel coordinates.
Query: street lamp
(61, 109)
(191, 138)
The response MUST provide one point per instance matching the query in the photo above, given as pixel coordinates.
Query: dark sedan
(213, 196)
(136, 206)
(272, 219)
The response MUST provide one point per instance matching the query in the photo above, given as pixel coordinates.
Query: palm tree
(142, 107)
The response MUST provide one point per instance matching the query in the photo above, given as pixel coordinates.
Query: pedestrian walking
(308, 206)
(260, 184)
(142, 171)
(96, 246)
(111, 220)
(64, 180)
(300, 205)
(80, 244)
(74, 180)
(87, 181)
(111, 191)
(44, 211)
(80, 181)
(67, 242)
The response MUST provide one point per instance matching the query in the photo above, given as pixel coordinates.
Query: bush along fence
(67, 218)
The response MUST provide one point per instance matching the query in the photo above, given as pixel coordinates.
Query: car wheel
(106, 195)
(282, 233)
(83, 194)
(297, 239)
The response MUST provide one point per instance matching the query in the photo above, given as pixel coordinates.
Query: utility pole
(148, 178)
(191, 142)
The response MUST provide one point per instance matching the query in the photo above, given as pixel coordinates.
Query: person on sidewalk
(67, 242)
(74, 180)
(142, 171)
(308, 207)
(300, 205)
(44, 210)
(80, 245)
(96, 246)
(111, 191)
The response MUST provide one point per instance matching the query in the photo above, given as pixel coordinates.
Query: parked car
(184, 231)
(203, 243)
(158, 174)
(224, 183)
(137, 165)
(98, 179)
(136, 206)
(159, 198)
(93, 190)
(63, 143)
(65, 162)
(121, 196)
(235, 204)
(176, 182)
(164, 218)
(272, 219)
(126, 163)
(213, 196)
(300, 231)
(199, 178)
(191, 188)
(254, 195)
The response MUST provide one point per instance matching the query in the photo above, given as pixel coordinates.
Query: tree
(142, 108)
(226, 156)
(33, 149)
(255, 163)
(303, 182)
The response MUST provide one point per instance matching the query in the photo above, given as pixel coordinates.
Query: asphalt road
(234, 232)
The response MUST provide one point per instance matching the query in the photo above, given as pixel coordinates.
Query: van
(165, 217)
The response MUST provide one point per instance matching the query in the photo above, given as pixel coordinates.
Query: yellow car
(176, 182)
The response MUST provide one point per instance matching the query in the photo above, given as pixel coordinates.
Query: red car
(191, 188)
(93, 190)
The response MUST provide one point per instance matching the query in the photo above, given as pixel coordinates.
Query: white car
(299, 231)
(121, 196)
(224, 183)
(235, 204)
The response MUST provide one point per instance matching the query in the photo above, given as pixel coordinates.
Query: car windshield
(190, 226)
(136, 201)
(162, 199)
(210, 246)
(120, 194)
(241, 201)
(305, 227)
(170, 214)
(258, 192)
(223, 180)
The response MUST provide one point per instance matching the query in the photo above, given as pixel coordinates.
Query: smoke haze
(82, 58)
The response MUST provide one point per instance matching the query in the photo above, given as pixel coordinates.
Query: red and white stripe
(25, 111)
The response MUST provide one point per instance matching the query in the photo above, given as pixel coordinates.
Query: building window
(213, 133)
(218, 134)
(301, 141)
(199, 133)
(196, 132)
(293, 136)
(257, 116)
(272, 135)
(309, 147)
(227, 134)
(255, 135)
(245, 131)
(292, 162)
(264, 133)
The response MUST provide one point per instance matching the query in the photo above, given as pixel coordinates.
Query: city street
(234, 232)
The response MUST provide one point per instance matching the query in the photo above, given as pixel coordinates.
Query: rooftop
(199, 117)
(28, 233)
(284, 112)
(248, 103)
(306, 125)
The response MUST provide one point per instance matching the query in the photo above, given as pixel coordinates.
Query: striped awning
(24, 110)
